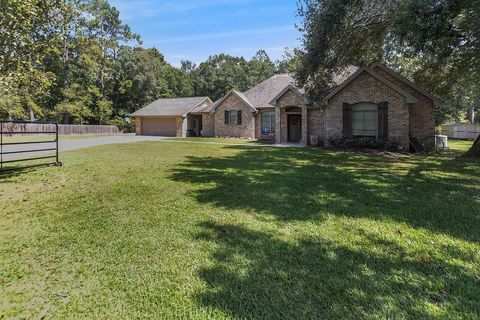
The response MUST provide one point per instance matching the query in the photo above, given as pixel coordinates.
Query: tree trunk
(65, 118)
(474, 150)
(102, 61)
(471, 114)
(66, 66)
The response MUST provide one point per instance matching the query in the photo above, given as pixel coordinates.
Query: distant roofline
(203, 98)
(275, 75)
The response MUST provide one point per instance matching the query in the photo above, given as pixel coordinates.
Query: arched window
(293, 110)
(365, 120)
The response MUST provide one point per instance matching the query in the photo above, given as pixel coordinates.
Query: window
(268, 123)
(365, 120)
(232, 116)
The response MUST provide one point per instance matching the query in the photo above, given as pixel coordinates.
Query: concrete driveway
(65, 145)
(73, 144)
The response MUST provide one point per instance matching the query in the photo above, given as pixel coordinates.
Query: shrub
(365, 143)
(122, 124)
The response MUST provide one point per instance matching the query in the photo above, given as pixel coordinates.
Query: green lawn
(176, 230)
(216, 140)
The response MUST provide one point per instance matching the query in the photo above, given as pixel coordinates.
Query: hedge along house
(177, 117)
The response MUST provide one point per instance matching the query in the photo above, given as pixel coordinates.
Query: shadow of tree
(438, 194)
(12, 172)
(260, 275)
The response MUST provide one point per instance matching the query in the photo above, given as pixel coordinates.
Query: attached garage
(176, 117)
(159, 126)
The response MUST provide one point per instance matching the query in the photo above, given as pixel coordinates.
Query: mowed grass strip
(176, 230)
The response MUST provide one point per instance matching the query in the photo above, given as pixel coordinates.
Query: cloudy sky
(195, 29)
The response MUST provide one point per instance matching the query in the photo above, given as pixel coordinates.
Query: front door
(294, 127)
(196, 127)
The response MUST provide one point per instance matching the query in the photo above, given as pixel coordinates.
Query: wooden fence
(63, 129)
(461, 130)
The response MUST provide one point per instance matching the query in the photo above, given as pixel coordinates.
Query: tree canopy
(75, 61)
(434, 42)
(221, 73)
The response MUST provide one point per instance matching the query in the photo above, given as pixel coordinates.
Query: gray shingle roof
(169, 107)
(203, 107)
(261, 95)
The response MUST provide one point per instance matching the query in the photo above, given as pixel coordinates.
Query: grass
(459, 145)
(216, 140)
(168, 230)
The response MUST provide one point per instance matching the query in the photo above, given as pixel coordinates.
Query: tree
(106, 31)
(187, 66)
(144, 76)
(259, 68)
(474, 150)
(78, 104)
(438, 40)
(290, 61)
(222, 72)
(219, 74)
(26, 28)
(441, 38)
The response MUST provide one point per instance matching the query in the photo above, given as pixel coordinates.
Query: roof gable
(289, 87)
(262, 94)
(408, 97)
(239, 95)
(436, 101)
(203, 106)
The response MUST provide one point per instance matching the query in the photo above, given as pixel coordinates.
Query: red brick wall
(366, 88)
(244, 130)
(422, 113)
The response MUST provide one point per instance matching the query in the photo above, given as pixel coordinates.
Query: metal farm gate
(18, 144)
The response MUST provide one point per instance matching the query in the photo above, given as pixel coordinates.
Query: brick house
(371, 101)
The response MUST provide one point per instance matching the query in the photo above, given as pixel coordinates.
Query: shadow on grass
(258, 275)
(434, 193)
(13, 171)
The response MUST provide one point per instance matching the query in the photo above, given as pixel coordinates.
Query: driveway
(65, 145)
(72, 144)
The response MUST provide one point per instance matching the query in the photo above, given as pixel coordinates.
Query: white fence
(63, 129)
(461, 130)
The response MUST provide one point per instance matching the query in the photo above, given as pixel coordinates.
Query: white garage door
(159, 127)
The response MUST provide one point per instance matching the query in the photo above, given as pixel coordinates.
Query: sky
(195, 29)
